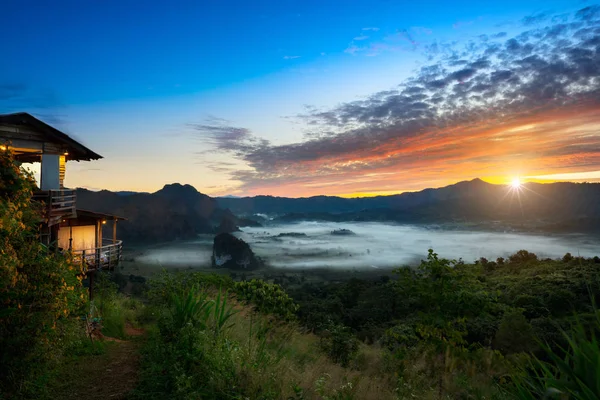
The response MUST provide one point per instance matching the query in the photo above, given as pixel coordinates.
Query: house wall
(84, 237)
(50, 175)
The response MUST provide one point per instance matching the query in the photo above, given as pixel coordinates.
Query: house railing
(106, 257)
(59, 204)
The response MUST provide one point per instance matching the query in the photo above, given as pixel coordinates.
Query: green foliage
(344, 392)
(268, 298)
(161, 287)
(522, 257)
(515, 334)
(444, 294)
(108, 305)
(468, 312)
(572, 372)
(339, 343)
(193, 354)
(39, 289)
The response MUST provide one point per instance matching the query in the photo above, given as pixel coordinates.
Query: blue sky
(130, 79)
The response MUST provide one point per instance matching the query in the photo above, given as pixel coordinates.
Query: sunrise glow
(388, 107)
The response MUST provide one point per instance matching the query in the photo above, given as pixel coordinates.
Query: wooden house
(65, 227)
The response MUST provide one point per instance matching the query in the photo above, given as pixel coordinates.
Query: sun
(515, 183)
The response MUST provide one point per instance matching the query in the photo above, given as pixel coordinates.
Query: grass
(571, 372)
(206, 343)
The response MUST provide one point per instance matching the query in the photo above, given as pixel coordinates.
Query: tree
(39, 289)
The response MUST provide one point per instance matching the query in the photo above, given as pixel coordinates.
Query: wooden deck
(106, 257)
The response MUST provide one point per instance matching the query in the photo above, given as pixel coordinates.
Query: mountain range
(565, 206)
(181, 212)
(174, 212)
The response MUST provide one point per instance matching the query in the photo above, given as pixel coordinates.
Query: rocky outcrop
(233, 253)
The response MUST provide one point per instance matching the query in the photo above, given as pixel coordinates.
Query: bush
(109, 307)
(571, 372)
(340, 345)
(514, 334)
(161, 287)
(567, 258)
(267, 298)
(533, 306)
(39, 288)
(522, 257)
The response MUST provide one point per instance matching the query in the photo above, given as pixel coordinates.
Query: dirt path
(109, 376)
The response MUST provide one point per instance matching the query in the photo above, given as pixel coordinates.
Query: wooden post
(54, 237)
(70, 236)
(114, 230)
(91, 288)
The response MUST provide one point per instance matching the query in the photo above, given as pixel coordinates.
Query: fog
(371, 245)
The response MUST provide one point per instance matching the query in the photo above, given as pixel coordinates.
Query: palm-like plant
(222, 313)
(192, 308)
(195, 309)
(576, 375)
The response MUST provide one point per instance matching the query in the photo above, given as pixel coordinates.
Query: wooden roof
(98, 215)
(76, 151)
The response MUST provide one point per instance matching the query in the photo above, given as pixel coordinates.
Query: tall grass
(212, 348)
(571, 372)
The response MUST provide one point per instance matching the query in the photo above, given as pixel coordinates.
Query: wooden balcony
(106, 257)
(59, 204)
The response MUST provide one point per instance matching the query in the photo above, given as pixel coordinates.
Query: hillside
(174, 212)
(551, 207)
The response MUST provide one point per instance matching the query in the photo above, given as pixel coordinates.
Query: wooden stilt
(91, 284)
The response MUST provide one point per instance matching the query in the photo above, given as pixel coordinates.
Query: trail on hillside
(109, 376)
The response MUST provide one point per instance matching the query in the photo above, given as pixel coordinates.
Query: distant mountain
(568, 207)
(127, 193)
(174, 212)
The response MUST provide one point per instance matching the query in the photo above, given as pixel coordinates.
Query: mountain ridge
(180, 211)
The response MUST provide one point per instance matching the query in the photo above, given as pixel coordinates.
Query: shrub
(340, 345)
(522, 257)
(161, 287)
(39, 288)
(571, 372)
(267, 298)
(514, 334)
(533, 306)
(109, 307)
(567, 258)
(560, 301)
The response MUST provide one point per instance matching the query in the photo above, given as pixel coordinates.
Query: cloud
(534, 19)
(375, 29)
(401, 40)
(463, 113)
(290, 57)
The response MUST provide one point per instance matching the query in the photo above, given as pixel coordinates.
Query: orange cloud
(556, 142)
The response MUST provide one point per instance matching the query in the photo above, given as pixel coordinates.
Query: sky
(302, 98)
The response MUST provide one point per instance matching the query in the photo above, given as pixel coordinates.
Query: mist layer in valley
(368, 245)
